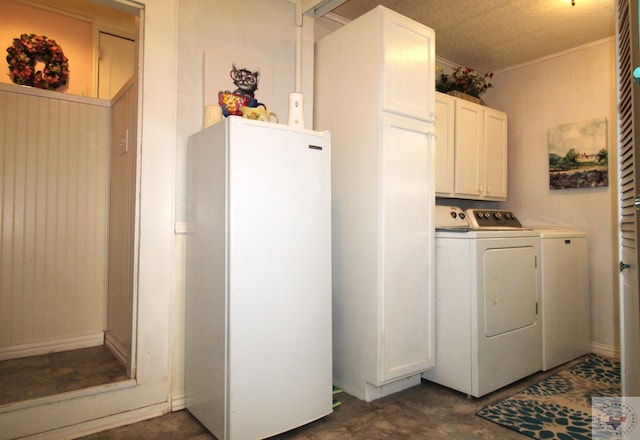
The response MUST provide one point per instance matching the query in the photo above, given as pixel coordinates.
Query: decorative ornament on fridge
(245, 80)
(242, 101)
(232, 83)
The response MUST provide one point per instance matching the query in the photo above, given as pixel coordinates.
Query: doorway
(78, 343)
(116, 63)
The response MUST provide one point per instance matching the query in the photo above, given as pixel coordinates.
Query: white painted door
(407, 314)
(445, 149)
(628, 130)
(495, 154)
(116, 64)
(469, 136)
(408, 59)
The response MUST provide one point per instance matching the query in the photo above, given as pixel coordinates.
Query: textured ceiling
(488, 35)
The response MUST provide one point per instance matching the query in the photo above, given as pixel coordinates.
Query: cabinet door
(495, 154)
(444, 163)
(405, 318)
(408, 80)
(469, 137)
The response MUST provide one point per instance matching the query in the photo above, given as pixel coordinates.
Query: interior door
(116, 64)
(628, 52)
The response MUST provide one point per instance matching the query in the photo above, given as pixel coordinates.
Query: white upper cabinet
(468, 141)
(407, 59)
(471, 150)
(445, 114)
(495, 155)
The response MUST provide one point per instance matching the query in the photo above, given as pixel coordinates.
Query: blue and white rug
(558, 407)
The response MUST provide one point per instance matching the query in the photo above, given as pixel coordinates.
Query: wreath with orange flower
(24, 55)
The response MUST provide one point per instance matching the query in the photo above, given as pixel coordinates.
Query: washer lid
(558, 232)
(488, 233)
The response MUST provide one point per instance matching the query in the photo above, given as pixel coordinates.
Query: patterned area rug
(558, 407)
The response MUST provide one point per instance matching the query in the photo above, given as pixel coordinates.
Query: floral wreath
(26, 51)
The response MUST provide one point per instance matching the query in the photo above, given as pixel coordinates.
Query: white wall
(256, 30)
(568, 87)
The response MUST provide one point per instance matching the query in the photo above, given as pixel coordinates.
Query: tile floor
(53, 373)
(424, 412)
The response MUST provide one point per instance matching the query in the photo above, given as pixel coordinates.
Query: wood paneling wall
(121, 305)
(54, 164)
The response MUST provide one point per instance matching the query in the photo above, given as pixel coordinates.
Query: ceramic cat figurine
(245, 81)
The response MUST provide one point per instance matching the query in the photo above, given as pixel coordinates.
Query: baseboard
(52, 346)
(102, 424)
(116, 348)
(373, 392)
(178, 402)
(605, 350)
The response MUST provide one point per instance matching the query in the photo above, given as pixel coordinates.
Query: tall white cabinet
(375, 92)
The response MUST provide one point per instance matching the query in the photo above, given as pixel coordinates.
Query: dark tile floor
(424, 412)
(53, 373)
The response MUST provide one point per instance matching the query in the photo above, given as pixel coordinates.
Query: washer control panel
(492, 219)
(450, 218)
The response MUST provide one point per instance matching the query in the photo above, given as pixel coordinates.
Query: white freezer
(258, 299)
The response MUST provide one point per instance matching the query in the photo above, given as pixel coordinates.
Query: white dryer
(488, 329)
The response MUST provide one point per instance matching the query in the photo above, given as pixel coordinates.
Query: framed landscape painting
(578, 155)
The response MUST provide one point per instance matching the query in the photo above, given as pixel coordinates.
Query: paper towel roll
(212, 114)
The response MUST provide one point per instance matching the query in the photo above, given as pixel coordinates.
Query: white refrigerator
(258, 278)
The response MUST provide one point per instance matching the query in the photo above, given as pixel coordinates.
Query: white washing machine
(566, 311)
(488, 329)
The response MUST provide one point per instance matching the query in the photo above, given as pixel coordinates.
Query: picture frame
(578, 155)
